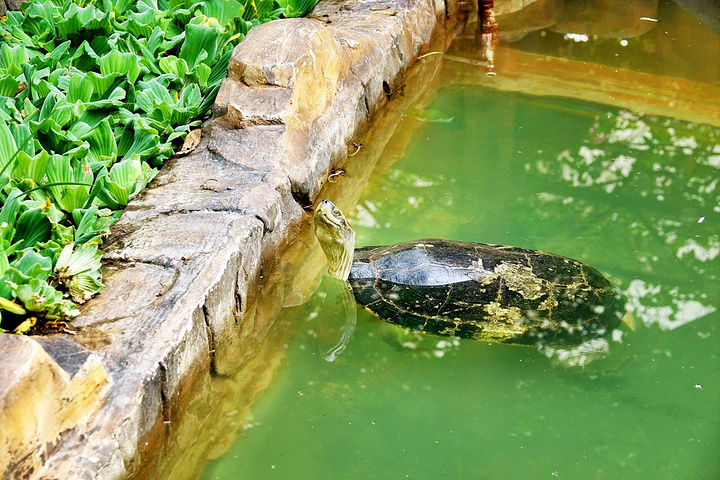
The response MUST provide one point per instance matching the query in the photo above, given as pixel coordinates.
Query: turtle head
(336, 237)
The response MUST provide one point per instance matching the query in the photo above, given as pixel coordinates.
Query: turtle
(480, 291)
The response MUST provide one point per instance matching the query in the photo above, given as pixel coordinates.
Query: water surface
(636, 196)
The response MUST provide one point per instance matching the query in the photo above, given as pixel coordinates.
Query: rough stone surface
(46, 394)
(316, 81)
(193, 277)
(205, 182)
(3, 8)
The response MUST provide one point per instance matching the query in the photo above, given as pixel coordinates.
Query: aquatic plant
(94, 96)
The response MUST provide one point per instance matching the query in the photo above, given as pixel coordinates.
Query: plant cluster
(94, 96)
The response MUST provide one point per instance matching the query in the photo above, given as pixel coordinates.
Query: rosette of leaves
(78, 271)
(24, 271)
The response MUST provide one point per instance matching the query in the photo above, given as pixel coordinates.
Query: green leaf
(31, 167)
(8, 215)
(199, 38)
(119, 7)
(32, 227)
(202, 72)
(102, 192)
(90, 224)
(39, 21)
(155, 100)
(79, 130)
(102, 143)
(296, 8)
(84, 259)
(33, 265)
(73, 198)
(102, 83)
(63, 173)
(23, 138)
(8, 85)
(141, 24)
(84, 286)
(174, 65)
(224, 11)
(80, 89)
(11, 307)
(8, 148)
(76, 19)
(38, 296)
(126, 173)
(12, 56)
(78, 269)
(4, 263)
(58, 53)
(145, 143)
(115, 62)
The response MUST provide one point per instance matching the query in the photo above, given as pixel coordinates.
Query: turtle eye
(336, 212)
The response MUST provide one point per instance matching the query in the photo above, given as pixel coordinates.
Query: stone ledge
(319, 81)
(44, 399)
(185, 262)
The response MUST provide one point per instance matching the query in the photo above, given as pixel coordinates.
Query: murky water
(636, 196)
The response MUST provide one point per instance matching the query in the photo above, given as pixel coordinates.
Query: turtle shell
(485, 292)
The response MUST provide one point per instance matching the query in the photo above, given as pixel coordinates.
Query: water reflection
(707, 11)
(650, 182)
(660, 177)
(608, 18)
(634, 195)
(661, 38)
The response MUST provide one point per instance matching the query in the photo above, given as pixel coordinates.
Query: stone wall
(197, 264)
(6, 5)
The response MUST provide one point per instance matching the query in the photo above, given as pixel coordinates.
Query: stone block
(311, 84)
(176, 238)
(169, 312)
(42, 401)
(298, 54)
(243, 107)
(207, 182)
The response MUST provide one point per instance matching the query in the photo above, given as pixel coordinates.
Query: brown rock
(43, 399)
(314, 83)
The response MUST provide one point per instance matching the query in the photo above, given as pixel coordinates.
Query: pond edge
(188, 254)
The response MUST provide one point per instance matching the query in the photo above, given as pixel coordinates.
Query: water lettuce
(94, 96)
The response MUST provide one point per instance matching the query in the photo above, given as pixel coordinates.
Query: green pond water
(637, 197)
